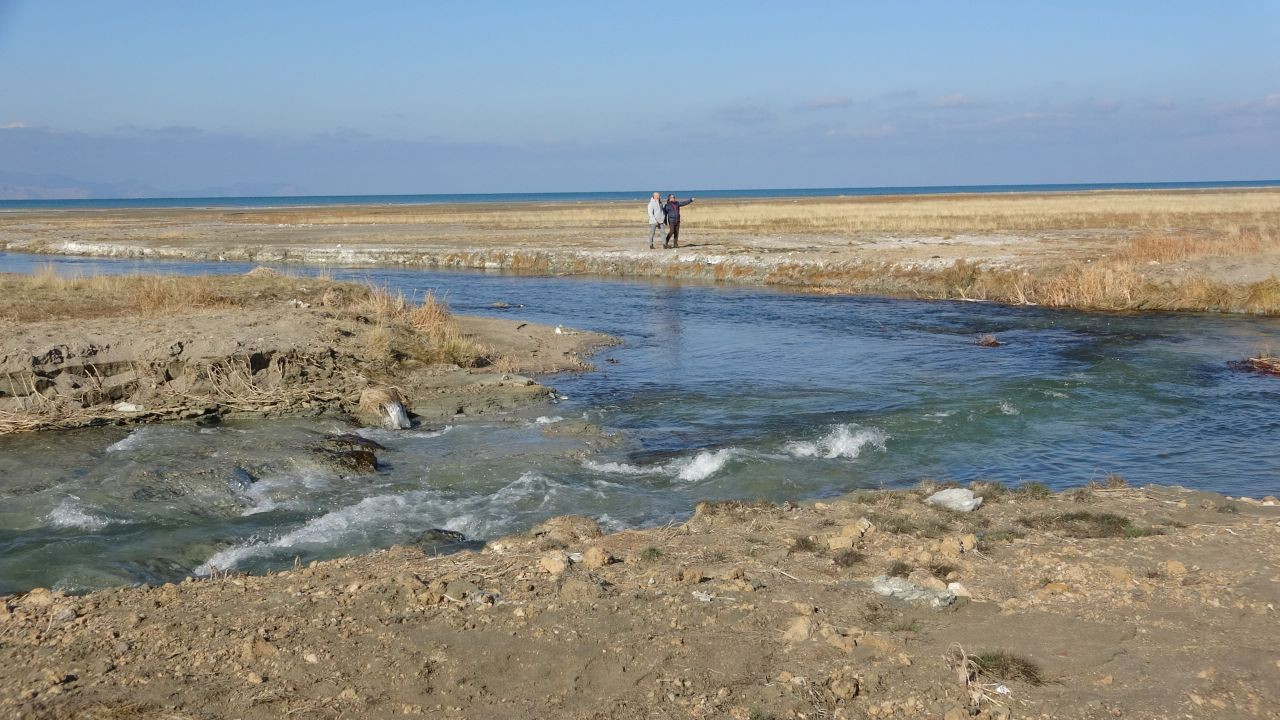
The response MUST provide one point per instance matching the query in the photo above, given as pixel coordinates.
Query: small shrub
(1033, 491)
(942, 570)
(1083, 524)
(803, 543)
(1003, 535)
(1114, 481)
(1081, 495)
(897, 568)
(848, 558)
(905, 625)
(650, 554)
(989, 490)
(1005, 666)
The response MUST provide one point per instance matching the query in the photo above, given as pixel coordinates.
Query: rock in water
(385, 406)
(957, 499)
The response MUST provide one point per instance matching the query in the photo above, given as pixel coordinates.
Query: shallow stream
(716, 392)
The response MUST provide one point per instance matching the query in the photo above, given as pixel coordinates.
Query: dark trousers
(673, 235)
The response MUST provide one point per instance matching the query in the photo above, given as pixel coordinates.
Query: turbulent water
(715, 393)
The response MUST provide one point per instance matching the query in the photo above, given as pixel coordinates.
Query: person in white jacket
(656, 216)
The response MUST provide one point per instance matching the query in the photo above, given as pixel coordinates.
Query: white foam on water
(619, 468)
(941, 414)
(703, 465)
(548, 420)
(135, 439)
(700, 466)
(1008, 409)
(69, 514)
(476, 516)
(382, 435)
(846, 441)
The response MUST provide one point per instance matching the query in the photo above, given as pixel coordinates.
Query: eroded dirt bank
(127, 349)
(1135, 603)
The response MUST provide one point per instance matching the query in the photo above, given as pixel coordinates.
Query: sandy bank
(1136, 603)
(95, 350)
(1198, 250)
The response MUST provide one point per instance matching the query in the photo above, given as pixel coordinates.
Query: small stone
(39, 597)
(554, 562)
(63, 613)
(254, 678)
(956, 713)
(843, 684)
(596, 557)
(959, 590)
(839, 542)
(860, 528)
(311, 658)
(927, 580)
(799, 630)
(843, 643)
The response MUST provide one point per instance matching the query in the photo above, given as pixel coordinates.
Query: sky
(316, 97)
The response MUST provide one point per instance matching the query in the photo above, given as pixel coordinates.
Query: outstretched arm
(686, 202)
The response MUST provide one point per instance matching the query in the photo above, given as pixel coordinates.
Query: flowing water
(716, 392)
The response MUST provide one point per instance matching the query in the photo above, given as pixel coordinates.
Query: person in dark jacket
(671, 211)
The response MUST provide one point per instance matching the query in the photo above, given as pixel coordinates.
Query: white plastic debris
(1003, 689)
(127, 407)
(957, 499)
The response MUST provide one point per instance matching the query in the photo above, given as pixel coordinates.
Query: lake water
(636, 196)
(716, 392)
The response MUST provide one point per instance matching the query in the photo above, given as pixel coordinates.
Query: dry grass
(1005, 667)
(1083, 524)
(1231, 240)
(46, 295)
(435, 334)
(1153, 211)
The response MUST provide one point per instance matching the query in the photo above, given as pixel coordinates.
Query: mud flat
(129, 349)
(1105, 602)
(1118, 250)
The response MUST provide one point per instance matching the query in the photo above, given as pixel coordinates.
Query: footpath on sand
(1100, 602)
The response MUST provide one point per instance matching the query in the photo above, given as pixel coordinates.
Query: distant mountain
(20, 186)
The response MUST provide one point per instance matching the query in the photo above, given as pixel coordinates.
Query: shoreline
(1107, 250)
(257, 345)
(1107, 601)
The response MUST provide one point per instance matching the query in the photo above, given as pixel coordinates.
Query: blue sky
(406, 97)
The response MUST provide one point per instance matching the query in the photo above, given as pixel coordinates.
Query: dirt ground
(133, 349)
(1101, 603)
